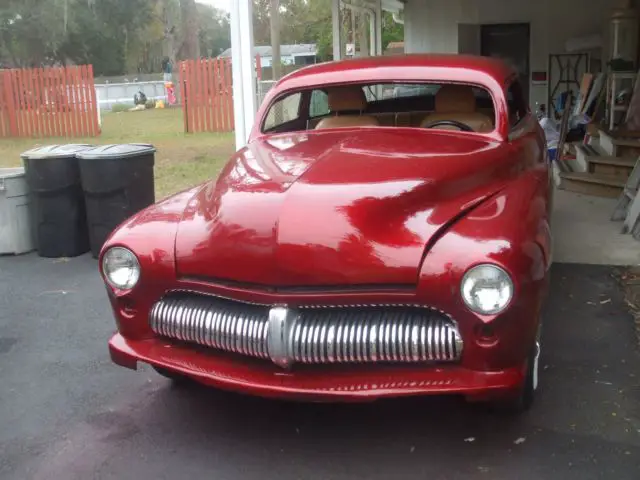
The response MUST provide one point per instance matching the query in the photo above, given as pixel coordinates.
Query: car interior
(445, 106)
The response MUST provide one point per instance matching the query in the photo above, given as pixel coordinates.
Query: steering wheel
(450, 123)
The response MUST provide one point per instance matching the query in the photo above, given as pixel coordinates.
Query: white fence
(110, 94)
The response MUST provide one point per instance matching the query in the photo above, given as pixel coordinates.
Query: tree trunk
(363, 21)
(276, 61)
(171, 43)
(354, 29)
(190, 29)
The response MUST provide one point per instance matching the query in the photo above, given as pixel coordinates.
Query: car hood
(335, 208)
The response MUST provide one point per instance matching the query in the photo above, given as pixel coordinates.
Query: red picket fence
(48, 102)
(207, 95)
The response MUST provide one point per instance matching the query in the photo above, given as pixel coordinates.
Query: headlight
(486, 289)
(121, 268)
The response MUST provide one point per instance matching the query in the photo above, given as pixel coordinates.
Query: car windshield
(419, 105)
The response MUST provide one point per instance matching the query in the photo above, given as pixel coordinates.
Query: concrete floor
(67, 413)
(584, 233)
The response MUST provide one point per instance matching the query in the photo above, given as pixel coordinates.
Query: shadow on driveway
(71, 414)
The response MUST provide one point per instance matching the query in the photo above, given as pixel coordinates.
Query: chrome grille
(218, 323)
(373, 334)
(319, 335)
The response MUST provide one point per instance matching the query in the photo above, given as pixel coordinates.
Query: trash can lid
(54, 151)
(125, 150)
(11, 172)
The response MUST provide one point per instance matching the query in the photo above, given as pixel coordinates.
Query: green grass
(182, 160)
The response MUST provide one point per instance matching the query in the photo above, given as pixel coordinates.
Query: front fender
(504, 230)
(151, 235)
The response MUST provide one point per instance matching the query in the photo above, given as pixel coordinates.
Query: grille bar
(362, 334)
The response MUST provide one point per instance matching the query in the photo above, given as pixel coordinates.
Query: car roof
(429, 67)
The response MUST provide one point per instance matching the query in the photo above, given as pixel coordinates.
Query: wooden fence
(48, 102)
(207, 95)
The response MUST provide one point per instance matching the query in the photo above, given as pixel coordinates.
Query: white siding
(432, 25)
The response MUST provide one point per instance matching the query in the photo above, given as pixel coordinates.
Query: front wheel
(176, 378)
(524, 398)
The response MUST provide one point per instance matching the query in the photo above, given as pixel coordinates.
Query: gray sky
(222, 4)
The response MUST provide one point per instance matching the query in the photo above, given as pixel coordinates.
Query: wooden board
(585, 87)
(590, 184)
(597, 90)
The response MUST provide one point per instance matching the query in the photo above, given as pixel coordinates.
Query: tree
(31, 31)
(304, 21)
(261, 22)
(110, 34)
(275, 39)
(391, 30)
(132, 36)
(215, 32)
(190, 27)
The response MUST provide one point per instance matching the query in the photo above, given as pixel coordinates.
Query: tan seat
(457, 102)
(347, 103)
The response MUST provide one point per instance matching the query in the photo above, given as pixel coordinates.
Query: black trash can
(57, 202)
(118, 182)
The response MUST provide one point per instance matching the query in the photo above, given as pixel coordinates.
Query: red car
(385, 232)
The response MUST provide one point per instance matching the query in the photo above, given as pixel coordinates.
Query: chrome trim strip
(310, 307)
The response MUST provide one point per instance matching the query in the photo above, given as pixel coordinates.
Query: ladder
(628, 206)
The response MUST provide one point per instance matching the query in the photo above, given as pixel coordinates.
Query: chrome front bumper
(309, 335)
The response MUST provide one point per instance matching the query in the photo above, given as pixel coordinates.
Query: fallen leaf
(470, 439)
(413, 449)
(520, 440)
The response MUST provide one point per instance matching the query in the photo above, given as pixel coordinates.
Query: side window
(319, 104)
(283, 111)
(517, 104)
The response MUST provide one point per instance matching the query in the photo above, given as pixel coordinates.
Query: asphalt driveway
(67, 413)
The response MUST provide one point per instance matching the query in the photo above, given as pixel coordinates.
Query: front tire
(523, 400)
(176, 378)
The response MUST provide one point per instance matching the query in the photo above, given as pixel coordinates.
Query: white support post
(242, 64)
(337, 30)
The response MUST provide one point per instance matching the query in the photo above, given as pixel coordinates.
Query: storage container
(16, 236)
(118, 181)
(57, 203)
